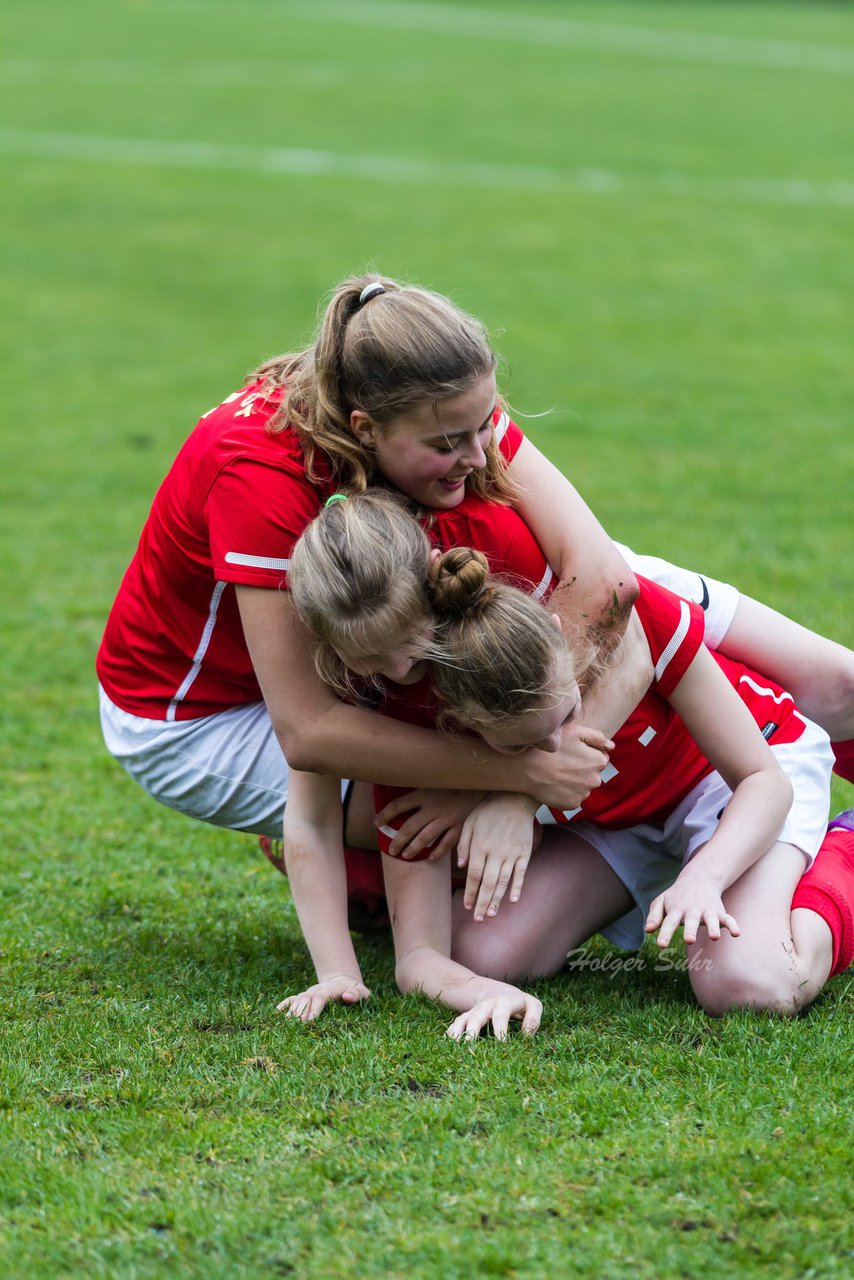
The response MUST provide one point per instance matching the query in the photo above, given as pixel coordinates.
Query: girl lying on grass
(503, 668)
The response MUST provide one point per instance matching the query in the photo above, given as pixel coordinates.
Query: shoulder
(674, 628)
(240, 427)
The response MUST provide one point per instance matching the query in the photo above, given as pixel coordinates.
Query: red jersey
(655, 761)
(229, 512)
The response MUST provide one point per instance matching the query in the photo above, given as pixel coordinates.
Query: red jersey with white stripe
(229, 512)
(655, 761)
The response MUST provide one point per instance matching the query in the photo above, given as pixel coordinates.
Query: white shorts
(648, 859)
(719, 600)
(227, 769)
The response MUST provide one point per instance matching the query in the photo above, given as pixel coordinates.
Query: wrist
(340, 975)
(695, 870)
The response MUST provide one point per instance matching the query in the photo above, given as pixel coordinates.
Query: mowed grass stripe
(569, 33)
(395, 169)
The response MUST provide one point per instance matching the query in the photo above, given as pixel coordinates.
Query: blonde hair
(358, 577)
(400, 348)
(497, 653)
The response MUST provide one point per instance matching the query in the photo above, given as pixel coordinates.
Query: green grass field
(652, 207)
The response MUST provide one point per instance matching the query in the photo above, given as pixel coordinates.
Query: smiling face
(541, 729)
(428, 452)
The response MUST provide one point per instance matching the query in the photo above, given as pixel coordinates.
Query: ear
(435, 554)
(363, 428)
(557, 622)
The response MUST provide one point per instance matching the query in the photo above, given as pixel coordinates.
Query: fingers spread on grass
(308, 1005)
(498, 1011)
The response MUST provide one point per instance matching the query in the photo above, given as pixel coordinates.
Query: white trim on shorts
(648, 859)
(719, 600)
(227, 769)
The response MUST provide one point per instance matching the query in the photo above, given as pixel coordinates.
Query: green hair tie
(336, 497)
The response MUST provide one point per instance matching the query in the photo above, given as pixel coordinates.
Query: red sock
(828, 889)
(844, 752)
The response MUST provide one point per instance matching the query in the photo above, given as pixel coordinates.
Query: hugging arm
(596, 587)
(319, 734)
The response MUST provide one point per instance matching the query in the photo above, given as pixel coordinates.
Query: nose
(398, 668)
(551, 743)
(472, 454)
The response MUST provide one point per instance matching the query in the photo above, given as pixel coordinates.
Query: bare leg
(782, 958)
(570, 893)
(817, 672)
(359, 829)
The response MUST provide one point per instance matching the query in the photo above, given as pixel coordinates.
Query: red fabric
(655, 762)
(844, 752)
(828, 889)
(173, 646)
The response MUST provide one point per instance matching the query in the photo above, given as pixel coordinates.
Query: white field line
(566, 33)
(206, 73)
(394, 169)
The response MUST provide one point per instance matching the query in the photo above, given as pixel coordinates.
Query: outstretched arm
(314, 856)
(419, 896)
(728, 736)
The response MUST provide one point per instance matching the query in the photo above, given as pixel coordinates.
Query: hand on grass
(496, 845)
(308, 1005)
(498, 1010)
(692, 900)
(434, 815)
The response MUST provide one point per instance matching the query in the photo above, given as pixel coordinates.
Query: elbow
(618, 595)
(623, 595)
(302, 749)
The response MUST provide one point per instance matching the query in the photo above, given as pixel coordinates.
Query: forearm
(439, 978)
(750, 825)
(350, 742)
(314, 857)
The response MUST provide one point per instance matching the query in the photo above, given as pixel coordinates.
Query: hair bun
(459, 582)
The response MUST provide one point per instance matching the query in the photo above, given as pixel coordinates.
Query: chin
(449, 499)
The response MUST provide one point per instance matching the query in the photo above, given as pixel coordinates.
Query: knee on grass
(722, 989)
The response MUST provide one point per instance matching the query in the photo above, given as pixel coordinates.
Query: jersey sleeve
(255, 514)
(674, 628)
(508, 436)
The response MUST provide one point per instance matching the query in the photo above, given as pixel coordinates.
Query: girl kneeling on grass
(503, 668)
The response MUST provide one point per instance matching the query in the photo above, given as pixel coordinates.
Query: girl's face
(540, 729)
(404, 664)
(428, 452)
